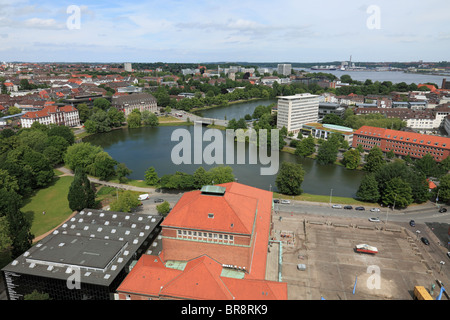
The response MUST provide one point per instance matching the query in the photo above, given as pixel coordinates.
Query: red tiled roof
(397, 135)
(233, 212)
(201, 279)
(47, 110)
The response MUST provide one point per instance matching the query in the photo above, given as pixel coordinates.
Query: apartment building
(297, 110)
(284, 69)
(215, 246)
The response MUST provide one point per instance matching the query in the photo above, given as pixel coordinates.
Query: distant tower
(127, 67)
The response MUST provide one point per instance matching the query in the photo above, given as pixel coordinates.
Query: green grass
(52, 200)
(324, 199)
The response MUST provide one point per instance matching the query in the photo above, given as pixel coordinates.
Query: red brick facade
(402, 143)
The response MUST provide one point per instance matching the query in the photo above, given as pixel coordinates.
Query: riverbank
(193, 110)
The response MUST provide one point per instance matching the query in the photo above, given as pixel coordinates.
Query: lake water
(393, 76)
(235, 111)
(144, 147)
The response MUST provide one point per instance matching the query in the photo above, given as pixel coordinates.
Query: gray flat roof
(98, 243)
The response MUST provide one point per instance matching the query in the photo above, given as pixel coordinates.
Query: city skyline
(206, 31)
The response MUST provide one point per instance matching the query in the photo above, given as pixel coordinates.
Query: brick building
(215, 245)
(402, 143)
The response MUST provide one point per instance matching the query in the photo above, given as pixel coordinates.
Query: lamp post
(331, 195)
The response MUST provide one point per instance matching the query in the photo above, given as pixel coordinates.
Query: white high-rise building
(127, 67)
(297, 110)
(284, 69)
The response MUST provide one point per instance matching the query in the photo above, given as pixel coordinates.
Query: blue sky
(232, 30)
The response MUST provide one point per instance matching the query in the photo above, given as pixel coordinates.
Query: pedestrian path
(68, 172)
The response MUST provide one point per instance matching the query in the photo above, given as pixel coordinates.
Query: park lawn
(323, 198)
(52, 200)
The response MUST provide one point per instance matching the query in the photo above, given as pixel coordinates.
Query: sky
(193, 31)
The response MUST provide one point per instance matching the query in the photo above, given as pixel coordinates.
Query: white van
(144, 196)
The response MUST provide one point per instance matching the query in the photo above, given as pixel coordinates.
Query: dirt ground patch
(326, 247)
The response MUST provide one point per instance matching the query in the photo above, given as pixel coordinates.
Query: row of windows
(398, 143)
(205, 236)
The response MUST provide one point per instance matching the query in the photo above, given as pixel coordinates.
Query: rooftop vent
(211, 215)
(213, 190)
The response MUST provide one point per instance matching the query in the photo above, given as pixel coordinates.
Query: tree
(201, 178)
(5, 239)
(327, 152)
(333, 119)
(427, 165)
(103, 166)
(368, 189)
(150, 119)
(122, 172)
(126, 202)
(98, 122)
(102, 103)
(163, 208)
(306, 147)
(134, 119)
(390, 154)
(398, 193)
(36, 295)
(81, 155)
(116, 117)
(444, 188)
(351, 159)
(81, 195)
(83, 111)
(62, 131)
(290, 178)
(56, 146)
(374, 160)
(221, 174)
(151, 177)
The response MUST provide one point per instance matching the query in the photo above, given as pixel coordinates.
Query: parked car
(348, 207)
(159, 200)
(285, 201)
(412, 223)
(360, 208)
(375, 210)
(276, 201)
(448, 254)
(443, 210)
(425, 241)
(374, 220)
(144, 196)
(336, 206)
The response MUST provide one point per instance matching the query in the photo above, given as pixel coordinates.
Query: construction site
(316, 257)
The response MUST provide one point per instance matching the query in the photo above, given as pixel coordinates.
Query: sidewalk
(68, 172)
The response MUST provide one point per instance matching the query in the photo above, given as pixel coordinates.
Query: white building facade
(65, 116)
(297, 110)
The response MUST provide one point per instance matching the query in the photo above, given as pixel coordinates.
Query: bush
(163, 208)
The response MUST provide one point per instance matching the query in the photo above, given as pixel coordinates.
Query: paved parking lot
(325, 245)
